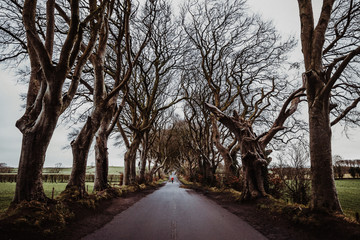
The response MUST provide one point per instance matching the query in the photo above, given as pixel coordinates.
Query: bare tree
(294, 172)
(214, 34)
(45, 98)
(105, 102)
(13, 45)
(198, 139)
(153, 89)
(240, 59)
(189, 156)
(165, 148)
(254, 155)
(57, 167)
(81, 145)
(236, 55)
(331, 56)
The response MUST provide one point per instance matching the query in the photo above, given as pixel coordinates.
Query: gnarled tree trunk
(252, 153)
(101, 148)
(252, 147)
(45, 101)
(34, 145)
(80, 150)
(253, 161)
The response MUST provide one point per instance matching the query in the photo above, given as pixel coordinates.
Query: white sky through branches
(283, 13)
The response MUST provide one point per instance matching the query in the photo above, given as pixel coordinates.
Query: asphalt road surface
(176, 213)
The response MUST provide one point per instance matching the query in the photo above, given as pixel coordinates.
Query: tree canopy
(207, 92)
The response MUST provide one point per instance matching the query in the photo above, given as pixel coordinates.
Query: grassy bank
(48, 220)
(348, 190)
(7, 192)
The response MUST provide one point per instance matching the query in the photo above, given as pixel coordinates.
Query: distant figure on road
(172, 180)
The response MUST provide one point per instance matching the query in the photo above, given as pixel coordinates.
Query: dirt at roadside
(271, 226)
(276, 226)
(88, 221)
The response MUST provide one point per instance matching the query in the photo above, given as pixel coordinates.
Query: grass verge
(46, 220)
(349, 196)
(7, 191)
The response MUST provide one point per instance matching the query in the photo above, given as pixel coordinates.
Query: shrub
(276, 186)
(294, 174)
(234, 182)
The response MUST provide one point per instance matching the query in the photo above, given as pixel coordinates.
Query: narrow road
(174, 213)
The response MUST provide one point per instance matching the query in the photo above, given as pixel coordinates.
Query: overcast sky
(283, 13)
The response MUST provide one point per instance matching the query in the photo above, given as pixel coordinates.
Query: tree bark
(143, 158)
(80, 150)
(34, 145)
(132, 174)
(101, 148)
(102, 155)
(318, 87)
(254, 162)
(130, 160)
(323, 190)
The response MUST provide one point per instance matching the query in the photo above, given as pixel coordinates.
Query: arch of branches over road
(207, 89)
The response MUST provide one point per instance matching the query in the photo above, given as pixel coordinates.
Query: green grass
(7, 189)
(348, 191)
(7, 192)
(6, 195)
(349, 195)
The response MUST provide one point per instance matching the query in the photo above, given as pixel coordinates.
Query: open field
(7, 189)
(349, 195)
(89, 170)
(67, 170)
(62, 175)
